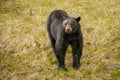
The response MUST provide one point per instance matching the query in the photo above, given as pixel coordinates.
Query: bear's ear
(78, 19)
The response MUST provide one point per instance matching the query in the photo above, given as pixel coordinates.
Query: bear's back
(58, 14)
(55, 18)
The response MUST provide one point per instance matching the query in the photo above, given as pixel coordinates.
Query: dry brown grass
(25, 52)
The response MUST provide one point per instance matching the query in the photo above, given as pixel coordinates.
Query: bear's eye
(65, 23)
(72, 25)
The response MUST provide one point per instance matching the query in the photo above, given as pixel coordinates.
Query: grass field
(25, 51)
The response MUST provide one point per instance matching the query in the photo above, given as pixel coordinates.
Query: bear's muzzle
(68, 28)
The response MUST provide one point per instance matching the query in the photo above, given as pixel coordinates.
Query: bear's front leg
(77, 52)
(61, 47)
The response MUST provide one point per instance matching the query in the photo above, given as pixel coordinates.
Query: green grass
(25, 51)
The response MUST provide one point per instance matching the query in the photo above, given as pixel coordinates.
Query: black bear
(62, 31)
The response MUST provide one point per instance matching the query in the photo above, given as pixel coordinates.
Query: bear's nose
(68, 28)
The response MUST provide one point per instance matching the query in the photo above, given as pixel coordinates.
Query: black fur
(56, 25)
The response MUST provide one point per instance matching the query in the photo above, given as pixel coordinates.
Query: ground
(25, 51)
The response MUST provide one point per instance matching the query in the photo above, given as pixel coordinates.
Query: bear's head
(71, 25)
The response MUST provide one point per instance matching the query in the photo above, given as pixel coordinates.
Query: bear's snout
(68, 28)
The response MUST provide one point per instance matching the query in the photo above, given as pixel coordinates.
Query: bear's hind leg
(52, 40)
